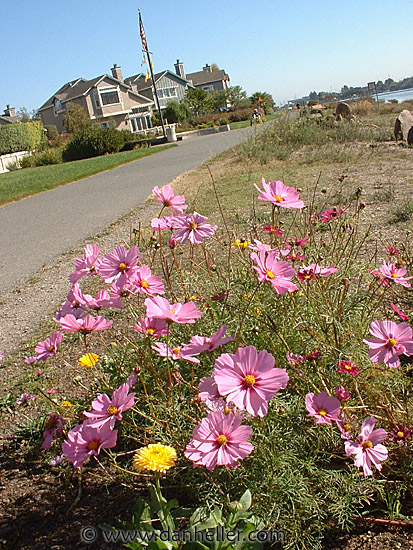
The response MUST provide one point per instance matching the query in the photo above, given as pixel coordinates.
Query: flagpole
(146, 50)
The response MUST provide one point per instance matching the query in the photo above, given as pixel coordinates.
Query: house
(170, 86)
(108, 100)
(9, 116)
(209, 80)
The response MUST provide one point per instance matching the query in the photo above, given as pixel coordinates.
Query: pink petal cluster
(152, 327)
(219, 440)
(85, 440)
(54, 424)
(342, 393)
(307, 273)
(166, 196)
(279, 194)
(192, 228)
(325, 409)
(391, 340)
(248, 379)
(160, 308)
(47, 348)
(106, 410)
(119, 265)
(88, 265)
(202, 343)
(278, 273)
(86, 325)
(348, 367)
(395, 274)
(400, 313)
(176, 352)
(368, 449)
(328, 215)
(146, 283)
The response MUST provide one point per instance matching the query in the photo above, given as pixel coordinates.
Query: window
(166, 92)
(109, 96)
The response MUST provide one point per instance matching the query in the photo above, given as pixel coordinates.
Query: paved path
(36, 230)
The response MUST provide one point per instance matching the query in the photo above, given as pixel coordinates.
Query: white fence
(11, 158)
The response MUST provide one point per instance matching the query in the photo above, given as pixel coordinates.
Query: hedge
(94, 142)
(26, 136)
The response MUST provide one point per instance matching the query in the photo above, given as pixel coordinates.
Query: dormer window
(109, 96)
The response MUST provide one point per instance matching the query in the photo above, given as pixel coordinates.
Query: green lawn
(30, 181)
(245, 123)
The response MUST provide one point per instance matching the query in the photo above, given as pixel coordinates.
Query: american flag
(143, 37)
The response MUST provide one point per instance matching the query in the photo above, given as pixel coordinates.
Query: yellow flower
(67, 404)
(88, 360)
(154, 458)
(241, 243)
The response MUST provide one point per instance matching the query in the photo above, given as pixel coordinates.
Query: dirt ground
(39, 508)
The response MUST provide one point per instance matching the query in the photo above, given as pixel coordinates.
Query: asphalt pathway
(37, 230)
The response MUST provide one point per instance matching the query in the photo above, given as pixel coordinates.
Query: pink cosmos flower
(272, 229)
(47, 348)
(102, 299)
(294, 360)
(152, 327)
(368, 448)
(85, 440)
(202, 343)
(158, 224)
(193, 228)
(259, 246)
(87, 265)
(24, 398)
(166, 196)
(107, 411)
(294, 257)
(54, 424)
(160, 308)
(120, 265)
(209, 394)
(395, 274)
(146, 283)
(381, 278)
(400, 313)
(332, 214)
(325, 409)
(391, 341)
(219, 440)
(58, 460)
(401, 433)
(307, 273)
(301, 243)
(175, 353)
(348, 367)
(392, 251)
(278, 273)
(72, 304)
(88, 324)
(279, 194)
(248, 379)
(342, 394)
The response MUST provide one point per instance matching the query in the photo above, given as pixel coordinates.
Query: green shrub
(176, 112)
(26, 136)
(239, 115)
(49, 156)
(51, 132)
(94, 142)
(26, 162)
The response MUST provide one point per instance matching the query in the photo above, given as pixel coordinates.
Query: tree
(218, 99)
(198, 102)
(313, 96)
(266, 103)
(176, 112)
(76, 119)
(27, 116)
(237, 97)
(214, 67)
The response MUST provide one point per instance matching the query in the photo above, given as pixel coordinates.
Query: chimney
(207, 68)
(117, 72)
(9, 111)
(179, 69)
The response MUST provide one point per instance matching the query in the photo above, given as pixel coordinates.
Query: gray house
(9, 116)
(107, 99)
(209, 80)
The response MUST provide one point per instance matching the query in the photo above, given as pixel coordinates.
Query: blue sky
(285, 47)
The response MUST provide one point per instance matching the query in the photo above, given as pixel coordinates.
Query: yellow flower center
(227, 410)
(93, 445)
(150, 331)
(192, 225)
(322, 412)
(176, 351)
(50, 349)
(172, 311)
(367, 444)
(249, 380)
(222, 440)
(270, 274)
(394, 275)
(144, 284)
(348, 367)
(347, 427)
(400, 434)
(278, 198)
(122, 267)
(112, 409)
(92, 268)
(306, 277)
(391, 342)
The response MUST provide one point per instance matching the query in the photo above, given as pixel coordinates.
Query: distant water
(400, 95)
